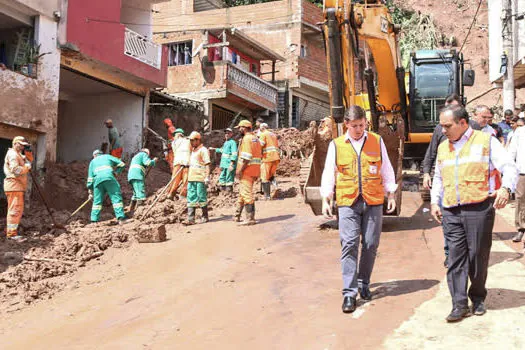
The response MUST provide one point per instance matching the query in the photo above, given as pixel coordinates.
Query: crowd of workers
(477, 166)
(257, 155)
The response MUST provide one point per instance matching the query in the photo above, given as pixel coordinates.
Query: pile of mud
(39, 267)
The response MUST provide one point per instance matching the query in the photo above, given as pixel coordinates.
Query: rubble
(39, 267)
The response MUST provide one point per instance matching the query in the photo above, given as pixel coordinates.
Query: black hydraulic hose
(400, 74)
(336, 67)
(369, 79)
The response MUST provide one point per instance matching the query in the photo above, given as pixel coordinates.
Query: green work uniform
(114, 138)
(137, 174)
(229, 154)
(197, 194)
(101, 181)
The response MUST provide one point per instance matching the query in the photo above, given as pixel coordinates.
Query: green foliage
(234, 3)
(418, 31)
(318, 3)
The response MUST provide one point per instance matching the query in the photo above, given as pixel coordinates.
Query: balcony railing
(252, 83)
(142, 49)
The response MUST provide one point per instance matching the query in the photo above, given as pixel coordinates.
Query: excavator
(365, 69)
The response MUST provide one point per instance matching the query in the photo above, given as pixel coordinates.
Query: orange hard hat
(168, 122)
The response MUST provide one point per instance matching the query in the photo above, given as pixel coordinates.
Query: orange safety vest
(250, 150)
(465, 175)
(15, 172)
(270, 146)
(359, 174)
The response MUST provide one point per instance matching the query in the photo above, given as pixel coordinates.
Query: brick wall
(311, 13)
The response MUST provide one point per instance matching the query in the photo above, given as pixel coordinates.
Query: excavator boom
(364, 69)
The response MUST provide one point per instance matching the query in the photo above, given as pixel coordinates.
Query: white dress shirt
(330, 168)
(517, 148)
(499, 159)
(489, 130)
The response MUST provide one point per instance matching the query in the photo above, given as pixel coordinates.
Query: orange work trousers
(169, 159)
(15, 209)
(180, 184)
(268, 170)
(246, 195)
(117, 152)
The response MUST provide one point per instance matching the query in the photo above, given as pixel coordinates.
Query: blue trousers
(359, 222)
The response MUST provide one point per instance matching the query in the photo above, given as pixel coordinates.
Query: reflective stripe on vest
(359, 173)
(465, 174)
(138, 166)
(103, 167)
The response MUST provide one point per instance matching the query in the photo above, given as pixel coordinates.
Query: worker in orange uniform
(115, 146)
(16, 167)
(181, 162)
(168, 152)
(270, 159)
(248, 170)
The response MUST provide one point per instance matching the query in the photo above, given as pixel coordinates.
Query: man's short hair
(453, 98)
(515, 119)
(481, 108)
(354, 112)
(458, 112)
(509, 113)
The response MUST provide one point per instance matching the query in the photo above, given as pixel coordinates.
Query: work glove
(231, 167)
(327, 207)
(207, 181)
(28, 166)
(155, 159)
(90, 194)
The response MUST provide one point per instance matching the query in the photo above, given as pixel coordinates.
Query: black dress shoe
(349, 305)
(458, 314)
(365, 294)
(478, 308)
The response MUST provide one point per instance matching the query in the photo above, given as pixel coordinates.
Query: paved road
(271, 286)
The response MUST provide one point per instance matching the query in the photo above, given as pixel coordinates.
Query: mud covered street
(273, 285)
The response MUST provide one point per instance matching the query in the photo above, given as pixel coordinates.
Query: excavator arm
(364, 69)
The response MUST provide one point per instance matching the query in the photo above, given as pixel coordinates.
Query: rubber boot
(266, 190)
(132, 206)
(191, 217)
(250, 215)
(223, 188)
(204, 218)
(238, 212)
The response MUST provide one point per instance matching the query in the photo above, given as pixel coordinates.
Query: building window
(180, 53)
(303, 51)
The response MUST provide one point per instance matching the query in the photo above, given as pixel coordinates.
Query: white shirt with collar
(499, 159)
(517, 148)
(330, 168)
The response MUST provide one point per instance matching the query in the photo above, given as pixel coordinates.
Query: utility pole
(508, 50)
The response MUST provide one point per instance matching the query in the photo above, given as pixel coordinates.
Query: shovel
(79, 208)
(39, 190)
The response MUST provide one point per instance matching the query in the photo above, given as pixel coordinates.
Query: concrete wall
(81, 129)
(139, 13)
(32, 103)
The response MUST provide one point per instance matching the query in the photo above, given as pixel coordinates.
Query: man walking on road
(115, 147)
(228, 161)
(101, 181)
(198, 179)
(270, 159)
(464, 187)
(181, 161)
(506, 125)
(248, 170)
(357, 164)
(137, 176)
(517, 153)
(16, 167)
(483, 115)
(430, 156)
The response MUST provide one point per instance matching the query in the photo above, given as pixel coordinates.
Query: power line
(471, 25)
(201, 25)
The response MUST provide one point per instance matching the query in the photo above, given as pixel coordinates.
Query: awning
(247, 45)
